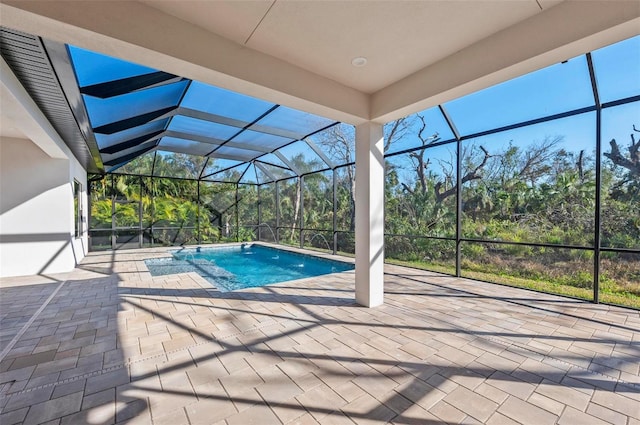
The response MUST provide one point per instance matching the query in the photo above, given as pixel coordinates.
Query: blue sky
(558, 88)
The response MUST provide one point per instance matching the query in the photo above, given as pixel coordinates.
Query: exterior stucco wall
(37, 226)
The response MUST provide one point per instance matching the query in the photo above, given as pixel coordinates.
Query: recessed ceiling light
(359, 61)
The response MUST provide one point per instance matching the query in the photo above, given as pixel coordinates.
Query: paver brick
(14, 416)
(572, 416)
(605, 414)
(511, 385)
(546, 403)
(500, 419)
(421, 393)
(473, 404)
(133, 410)
(107, 380)
(447, 413)
(617, 403)
(564, 394)
(259, 414)
(68, 388)
(54, 408)
(526, 413)
(368, 410)
(33, 359)
(320, 401)
(209, 409)
(165, 350)
(177, 416)
(30, 398)
(492, 393)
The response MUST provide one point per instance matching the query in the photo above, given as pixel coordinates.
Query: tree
(340, 144)
(621, 195)
(417, 157)
(631, 163)
(471, 174)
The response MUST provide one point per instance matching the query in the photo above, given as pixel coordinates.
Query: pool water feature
(245, 266)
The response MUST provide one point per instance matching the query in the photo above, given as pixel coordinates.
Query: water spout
(322, 237)
(268, 227)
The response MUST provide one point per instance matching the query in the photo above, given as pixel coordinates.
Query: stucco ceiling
(8, 125)
(397, 37)
(298, 53)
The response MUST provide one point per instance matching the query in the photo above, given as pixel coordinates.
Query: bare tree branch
(471, 175)
(420, 164)
(537, 156)
(426, 140)
(579, 164)
(407, 188)
(632, 163)
(392, 134)
(634, 149)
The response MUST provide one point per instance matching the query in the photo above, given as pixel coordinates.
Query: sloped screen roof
(143, 118)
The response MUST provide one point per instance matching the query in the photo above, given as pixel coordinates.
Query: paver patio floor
(109, 343)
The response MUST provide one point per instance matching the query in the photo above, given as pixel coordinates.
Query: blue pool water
(244, 266)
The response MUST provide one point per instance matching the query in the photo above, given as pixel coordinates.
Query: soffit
(8, 126)
(397, 37)
(27, 73)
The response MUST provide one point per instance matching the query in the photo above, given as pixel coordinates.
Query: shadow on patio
(171, 349)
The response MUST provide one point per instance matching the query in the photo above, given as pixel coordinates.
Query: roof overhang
(144, 34)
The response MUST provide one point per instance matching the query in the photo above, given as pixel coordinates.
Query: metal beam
(287, 162)
(191, 113)
(597, 241)
(130, 84)
(128, 157)
(276, 131)
(456, 134)
(450, 122)
(222, 170)
(243, 173)
(132, 142)
(320, 130)
(530, 122)
(621, 101)
(275, 151)
(170, 120)
(248, 125)
(217, 155)
(153, 167)
(320, 153)
(301, 181)
(264, 170)
(277, 213)
(274, 165)
(128, 123)
(231, 157)
(213, 141)
(334, 220)
(61, 63)
(204, 167)
(206, 116)
(239, 124)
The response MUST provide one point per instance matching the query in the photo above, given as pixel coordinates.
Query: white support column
(369, 214)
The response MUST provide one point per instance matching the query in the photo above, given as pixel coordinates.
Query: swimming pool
(244, 266)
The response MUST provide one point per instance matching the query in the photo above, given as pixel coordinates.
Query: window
(77, 208)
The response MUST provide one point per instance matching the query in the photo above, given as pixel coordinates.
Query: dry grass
(570, 278)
